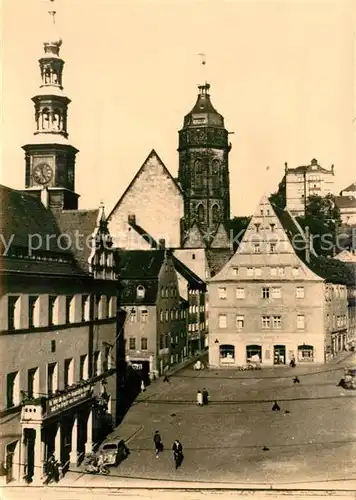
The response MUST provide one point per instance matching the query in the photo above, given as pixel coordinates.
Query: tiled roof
(139, 264)
(345, 202)
(78, 226)
(23, 217)
(44, 268)
(217, 258)
(193, 280)
(128, 294)
(331, 270)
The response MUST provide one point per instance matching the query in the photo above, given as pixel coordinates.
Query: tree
(323, 218)
(237, 228)
(279, 197)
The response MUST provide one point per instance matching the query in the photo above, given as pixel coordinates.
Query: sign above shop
(68, 399)
(137, 366)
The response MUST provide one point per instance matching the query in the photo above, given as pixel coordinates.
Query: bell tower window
(57, 121)
(215, 213)
(200, 213)
(199, 174)
(45, 119)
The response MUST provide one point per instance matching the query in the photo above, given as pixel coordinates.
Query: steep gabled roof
(140, 264)
(220, 238)
(351, 187)
(343, 202)
(152, 154)
(193, 280)
(79, 227)
(194, 238)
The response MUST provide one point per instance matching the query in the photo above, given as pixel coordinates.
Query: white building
(305, 181)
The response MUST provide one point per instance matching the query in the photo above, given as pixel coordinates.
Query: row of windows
(191, 291)
(266, 293)
(336, 291)
(132, 343)
(166, 340)
(266, 321)
(13, 393)
(257, 271)
(170, 291)
(194, 327)
(166, 315)
(336, 321)
(61, 309)
(196, 309)
(142, 316)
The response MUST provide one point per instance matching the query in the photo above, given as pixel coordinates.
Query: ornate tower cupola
(204, 171)
(50, 159)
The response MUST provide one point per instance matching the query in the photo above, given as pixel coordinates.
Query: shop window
(305, 353)
(254, 353)
(14, 312)
(12, 389)
(227, 353)
(144, 343)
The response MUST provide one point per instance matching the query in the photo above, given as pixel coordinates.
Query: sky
(282, 73)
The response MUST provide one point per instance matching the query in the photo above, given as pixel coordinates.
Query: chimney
(45, 196)
(307, 244)
(132, 219)
(162, 244)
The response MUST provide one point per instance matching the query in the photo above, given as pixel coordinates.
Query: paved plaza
(312, 439)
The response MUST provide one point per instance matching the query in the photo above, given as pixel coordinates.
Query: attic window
(272, 227)
(193, 256)
(140, 292)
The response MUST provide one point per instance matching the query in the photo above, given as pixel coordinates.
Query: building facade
(346, 203)
(269, 303)
(305, 181)
(156, 315)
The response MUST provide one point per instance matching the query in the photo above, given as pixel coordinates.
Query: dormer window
(140, 292)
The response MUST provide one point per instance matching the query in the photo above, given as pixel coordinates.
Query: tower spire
(202, 69)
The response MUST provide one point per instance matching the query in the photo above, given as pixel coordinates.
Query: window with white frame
(276, 293)
(277, 322)
(235, 271)
(33, 383)
(249, 271)
(273, 247)
(299, 292)
(300, 321)
(266, 322)
(12, 389)
(33, 311)
(257, 272)
(14, 312)
(52, 378)
(222, 293)
(68, 372)
(273, 271)
(280, 271)
(83, 367)
(240, 322)
(53, 310)
(256, 248)
(144, 315)
(305, 353)
(133, 316)
(222, 321)
(140, 292)
(240, 293)
(85, 307)
(295, 271)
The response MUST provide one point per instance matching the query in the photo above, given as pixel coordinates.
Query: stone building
(58, 302)
(305, 181)
(275, 300)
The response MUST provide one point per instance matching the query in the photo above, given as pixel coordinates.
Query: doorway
(279, 355)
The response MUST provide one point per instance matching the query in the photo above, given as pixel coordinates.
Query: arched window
(45, 119)
(56, 121)
(199, 174)
(200, 213)
(140, 292)
(215, 213)
(47, 76)
(215, 174)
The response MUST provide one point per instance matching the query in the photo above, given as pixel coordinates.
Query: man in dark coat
(205, 397)
(158, 443)
(177, 453)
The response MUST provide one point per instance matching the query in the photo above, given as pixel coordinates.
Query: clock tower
(50, 158)
(204, 172)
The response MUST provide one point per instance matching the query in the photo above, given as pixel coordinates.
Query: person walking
(200, 398)
(158, 443)
(205, 395)
(177, 453)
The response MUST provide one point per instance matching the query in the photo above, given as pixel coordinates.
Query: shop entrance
(142, 369)
(279, 357)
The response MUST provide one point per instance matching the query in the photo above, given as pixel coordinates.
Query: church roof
(203, 108)
(152, 154)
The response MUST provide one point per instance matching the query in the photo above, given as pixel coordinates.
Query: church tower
(50, 159)
(204, 174)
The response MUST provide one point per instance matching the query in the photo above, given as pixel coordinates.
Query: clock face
(42, 173)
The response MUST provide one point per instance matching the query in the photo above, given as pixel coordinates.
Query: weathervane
(52, 12)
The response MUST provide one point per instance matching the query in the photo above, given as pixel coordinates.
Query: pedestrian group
(177, 449)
